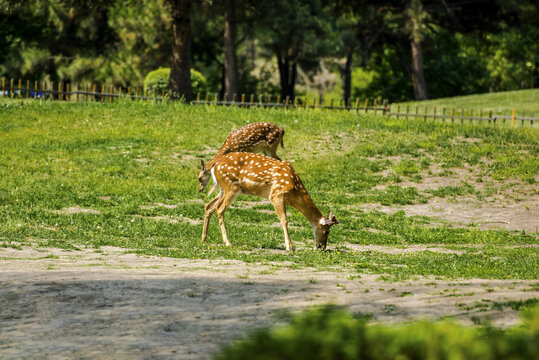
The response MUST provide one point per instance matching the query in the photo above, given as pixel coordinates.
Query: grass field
(522, 100)
(124, 174)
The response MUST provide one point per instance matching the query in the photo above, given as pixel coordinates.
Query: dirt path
(57, 304)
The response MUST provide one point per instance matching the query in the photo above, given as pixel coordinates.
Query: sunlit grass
(124, 174)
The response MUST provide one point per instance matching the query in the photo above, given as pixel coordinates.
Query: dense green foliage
(157, 80)
(129, 171)
(470, 47)
(329, 333)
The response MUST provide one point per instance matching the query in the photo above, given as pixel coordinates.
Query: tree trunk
(347, 76)
(180, 67)
(418, 78)
(288, 72)
(231, 62)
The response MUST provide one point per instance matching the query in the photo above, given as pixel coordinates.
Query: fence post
(35, 89)
(398, 111)
(68, 95)
(27, 88)
(242, 99)
(416, 112)
(471, 116)
(3, 86)
(407, 111)
(481, 116)
(331, 103)
(513, 118)
(523, 116)
(11, 88)
(366, 105)
(452, 115)
(374, 106)
(60, 93)
(252, 100)
(443, 115)
(20, 88)
(533, 114)
(425, 114)
(462, 116)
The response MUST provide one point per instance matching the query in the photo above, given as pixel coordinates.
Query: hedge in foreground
(329, 333)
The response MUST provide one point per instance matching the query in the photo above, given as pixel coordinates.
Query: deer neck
(211, 163)
(305, 205)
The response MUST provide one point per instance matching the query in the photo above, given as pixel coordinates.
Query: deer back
(255, 174)
(252, 138)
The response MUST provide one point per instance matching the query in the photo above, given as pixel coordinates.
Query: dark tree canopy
(392, 49)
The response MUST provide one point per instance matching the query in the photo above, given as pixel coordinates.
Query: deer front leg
(209, 209)
(280, 209)
(221, 208)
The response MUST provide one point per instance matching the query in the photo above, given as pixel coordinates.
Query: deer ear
(202, 164)
(332, 219)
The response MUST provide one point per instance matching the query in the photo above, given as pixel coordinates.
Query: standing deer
(255, 174)
(262, 136)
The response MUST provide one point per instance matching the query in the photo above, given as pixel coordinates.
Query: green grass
(521, 100)
(122, 160)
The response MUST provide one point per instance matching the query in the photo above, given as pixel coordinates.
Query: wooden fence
(109, 93)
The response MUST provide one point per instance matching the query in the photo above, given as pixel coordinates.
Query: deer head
(203, 176)
(321, 231)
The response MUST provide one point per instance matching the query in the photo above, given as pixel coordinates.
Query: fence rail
(87, 92)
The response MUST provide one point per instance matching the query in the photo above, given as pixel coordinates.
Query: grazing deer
(262, 136)
(255, 174)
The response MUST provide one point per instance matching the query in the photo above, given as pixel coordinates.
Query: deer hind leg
(209, 209)
(221, 208)
(280, 209)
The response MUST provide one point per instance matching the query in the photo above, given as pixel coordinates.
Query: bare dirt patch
(107, 303)
(522, 215)
(77, 210)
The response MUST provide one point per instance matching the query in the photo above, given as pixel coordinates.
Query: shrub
(329, 333)
(158, 80)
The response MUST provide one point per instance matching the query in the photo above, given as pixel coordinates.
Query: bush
(158, 80)
(329, 333)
